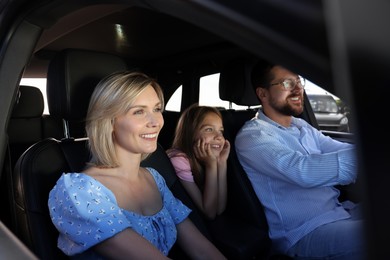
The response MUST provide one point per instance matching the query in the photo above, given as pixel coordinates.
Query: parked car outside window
(328, 113)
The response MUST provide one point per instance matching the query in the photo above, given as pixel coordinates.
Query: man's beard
(287, 109)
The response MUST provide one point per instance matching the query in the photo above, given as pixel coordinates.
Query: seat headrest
(29, 103)
(235, 83)
(72, 77)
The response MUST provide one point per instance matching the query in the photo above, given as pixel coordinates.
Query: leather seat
(235, 86)
(27, 124)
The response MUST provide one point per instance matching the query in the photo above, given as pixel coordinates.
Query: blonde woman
(115, 208)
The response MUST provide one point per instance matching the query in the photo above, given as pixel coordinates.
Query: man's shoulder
(255, 124)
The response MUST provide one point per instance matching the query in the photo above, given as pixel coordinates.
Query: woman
(115, 208)
(199, 154)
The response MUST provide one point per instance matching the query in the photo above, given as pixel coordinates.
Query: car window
(208, 95)
(329, 110)
(174, 103)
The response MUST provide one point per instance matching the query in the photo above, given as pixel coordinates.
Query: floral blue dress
(85, 213)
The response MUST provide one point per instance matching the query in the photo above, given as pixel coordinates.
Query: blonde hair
(113, 96)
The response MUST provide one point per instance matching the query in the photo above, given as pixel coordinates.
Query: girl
(199, 154)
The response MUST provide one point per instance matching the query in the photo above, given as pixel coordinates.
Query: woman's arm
(128, 245)
(194, 243)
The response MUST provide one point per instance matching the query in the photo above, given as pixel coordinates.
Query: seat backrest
(71, 79)
(241, 195)
(167, 134)
(27, 124)
(235, 86)
(35, 174)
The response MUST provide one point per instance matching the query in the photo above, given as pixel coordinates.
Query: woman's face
(138, 129)
(210, 132)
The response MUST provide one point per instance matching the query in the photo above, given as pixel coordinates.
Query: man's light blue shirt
(293, 171)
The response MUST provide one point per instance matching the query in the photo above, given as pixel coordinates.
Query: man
(293, 169)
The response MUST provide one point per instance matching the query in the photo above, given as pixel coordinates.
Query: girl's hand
(225, 151)
(203, 153)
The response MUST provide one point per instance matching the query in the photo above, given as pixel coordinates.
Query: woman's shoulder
(75, 178)
(79, 183)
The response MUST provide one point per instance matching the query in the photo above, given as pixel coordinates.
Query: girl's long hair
(186, 131)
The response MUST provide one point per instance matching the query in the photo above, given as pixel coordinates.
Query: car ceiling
(144, 36)
(136, 34)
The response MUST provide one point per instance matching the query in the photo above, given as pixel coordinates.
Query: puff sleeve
(84, 212)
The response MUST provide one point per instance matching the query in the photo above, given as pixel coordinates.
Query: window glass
(329, 110)
(174, 103)
(209, 93)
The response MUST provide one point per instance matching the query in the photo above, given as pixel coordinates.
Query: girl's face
(138, 129)
(210, 132)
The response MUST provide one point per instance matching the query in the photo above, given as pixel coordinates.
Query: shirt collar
(294, 121)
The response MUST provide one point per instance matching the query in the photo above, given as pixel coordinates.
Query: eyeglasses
(289, 84)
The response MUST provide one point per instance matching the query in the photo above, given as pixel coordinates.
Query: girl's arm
(185, 174)
(222, 178)
(205, 156)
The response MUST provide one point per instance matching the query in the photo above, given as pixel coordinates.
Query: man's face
(285, 101)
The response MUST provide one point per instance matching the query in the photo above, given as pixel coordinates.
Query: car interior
(74, 44)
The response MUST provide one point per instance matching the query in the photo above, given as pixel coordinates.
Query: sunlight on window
(209, 93)
(174, 103)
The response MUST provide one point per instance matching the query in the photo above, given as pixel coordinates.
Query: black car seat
(235, 86)
(28, 124)
(167, 133)
(72, 76)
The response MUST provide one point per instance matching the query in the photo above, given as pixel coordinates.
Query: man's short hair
(260, 76)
